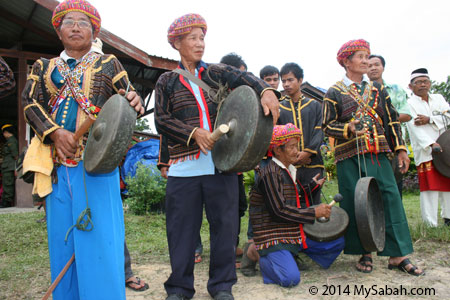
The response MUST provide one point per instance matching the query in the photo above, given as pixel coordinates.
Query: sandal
(402, 267)
(136, 284)
(364, 262)
(198, 258)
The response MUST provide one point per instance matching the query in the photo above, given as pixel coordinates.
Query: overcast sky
(409, 33)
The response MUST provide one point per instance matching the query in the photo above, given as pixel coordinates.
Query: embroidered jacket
(177, 114)
(338, 110)
(274, 209)
(306, 115)
(7, 82)
(102, 79)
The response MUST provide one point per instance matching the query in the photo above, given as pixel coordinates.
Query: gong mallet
(337, 198)
(58, 279)
(84, 127)
(223, 129)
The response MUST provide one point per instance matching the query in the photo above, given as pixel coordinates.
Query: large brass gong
(248, 138)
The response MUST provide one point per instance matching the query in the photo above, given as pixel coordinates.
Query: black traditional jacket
(306, 115)
(177, 113)
(101, 80)
(275, 210)
(340, 108)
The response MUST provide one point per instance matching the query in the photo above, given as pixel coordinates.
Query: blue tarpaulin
(145, 152)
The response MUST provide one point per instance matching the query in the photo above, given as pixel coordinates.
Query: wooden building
(26, 34)
(313, 92)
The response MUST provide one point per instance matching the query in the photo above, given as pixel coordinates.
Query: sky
(410, 34)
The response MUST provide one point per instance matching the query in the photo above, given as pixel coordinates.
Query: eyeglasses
(420, 82)
(81, 23)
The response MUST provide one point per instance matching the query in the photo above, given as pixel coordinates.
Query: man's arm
(120, 84)
(166, 124)
(395, 131)
(163, 158)
(330, 112)
(14, 147)
(234, 77)
(271, 187)
(32, 97)
(441, 106)
(399, 100)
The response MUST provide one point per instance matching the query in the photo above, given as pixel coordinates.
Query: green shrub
(249, 181)
(328, 161)
(146, 190)
(411, 179)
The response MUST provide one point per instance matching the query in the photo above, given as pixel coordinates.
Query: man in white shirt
(430, 118)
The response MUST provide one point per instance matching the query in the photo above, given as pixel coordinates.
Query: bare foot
(252, 253)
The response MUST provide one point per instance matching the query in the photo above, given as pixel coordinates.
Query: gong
(248, 138)
(325, 230)
(441, 160)
(110, 136)
(369, 214)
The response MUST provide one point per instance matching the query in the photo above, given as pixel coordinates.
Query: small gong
(110, 136)
(325, 230)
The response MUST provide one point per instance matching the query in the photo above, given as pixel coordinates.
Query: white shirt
(291, 169)
(424, 135)
(65, 57)
(348, 82)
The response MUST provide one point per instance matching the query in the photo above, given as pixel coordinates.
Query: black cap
(420, 71)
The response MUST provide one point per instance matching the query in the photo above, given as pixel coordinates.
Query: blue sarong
(98, 270)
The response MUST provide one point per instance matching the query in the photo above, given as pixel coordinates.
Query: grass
(24, 254)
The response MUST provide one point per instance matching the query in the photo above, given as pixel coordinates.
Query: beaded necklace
(365, 113)
(72, 79)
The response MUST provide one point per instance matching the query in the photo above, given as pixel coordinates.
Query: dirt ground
(342, 279)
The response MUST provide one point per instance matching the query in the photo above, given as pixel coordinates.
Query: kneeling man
(278, 219)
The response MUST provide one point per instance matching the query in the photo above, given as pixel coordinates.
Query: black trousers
(242, 204)
(184, 211)
(128, 270)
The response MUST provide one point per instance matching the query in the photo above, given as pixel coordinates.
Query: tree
(142, 125)
(442, 88)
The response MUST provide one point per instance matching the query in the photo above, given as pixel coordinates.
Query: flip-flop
(129, 284)
(402, 267)
(198, 258)
(363, 261)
